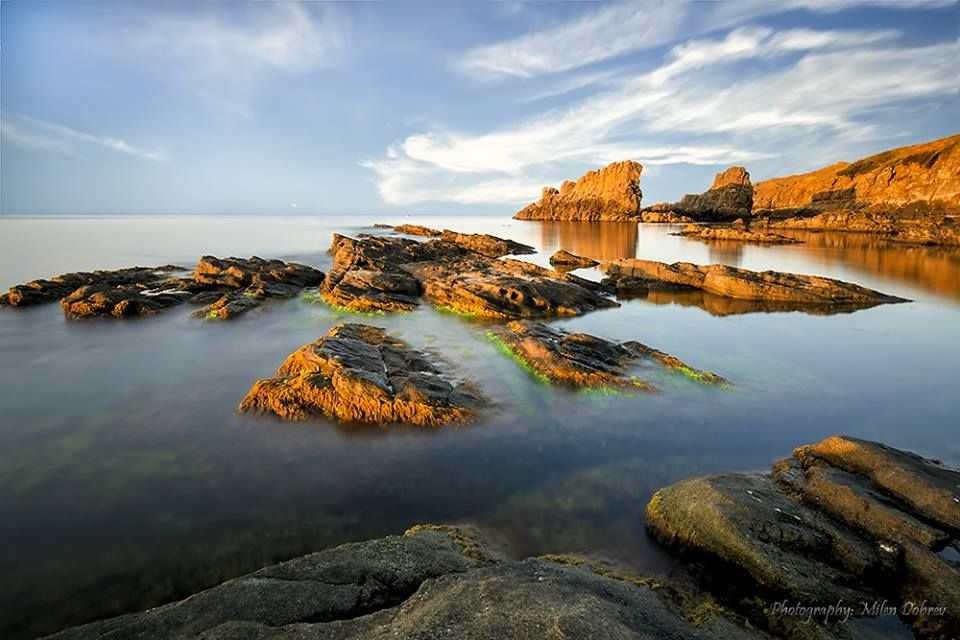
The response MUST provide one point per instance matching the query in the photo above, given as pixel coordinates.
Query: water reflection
(723, 306)
(597, 240)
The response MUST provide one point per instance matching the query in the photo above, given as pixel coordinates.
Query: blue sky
(455, 108)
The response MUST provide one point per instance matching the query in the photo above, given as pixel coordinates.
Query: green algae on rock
(358, 373)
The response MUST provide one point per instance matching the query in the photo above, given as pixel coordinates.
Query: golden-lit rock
(611, 193)
(730, 196)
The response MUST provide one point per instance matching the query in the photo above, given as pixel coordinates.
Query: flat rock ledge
(743, 284)
(944, 231)
(359, 373)
(584, 361)
(845, 521)
(728, 234)
(227, 287)
(434, 581)
(372, 274)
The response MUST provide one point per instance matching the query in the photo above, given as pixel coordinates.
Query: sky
(448, 108)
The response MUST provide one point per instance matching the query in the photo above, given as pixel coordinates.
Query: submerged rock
(611, 193)
(845, 520)
(41, 291)
(432, 582)
(702, 232)
(583, 360)
(388, 274)
(743, 284)
(359, 373)
(565, 260)
(730, 196)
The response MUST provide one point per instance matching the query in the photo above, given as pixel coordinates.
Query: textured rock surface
(359, 373)
(564, 260)
(906, 182)
(486, 244)
(730, 196)
(743, 284)
(583, 360)
(843, 520)
(124, 301)
(945, 231)
(41, 291)
(417, 230)
(611, 193)
(432, 582)
(652, 215)
(451, 276)
(706, 233)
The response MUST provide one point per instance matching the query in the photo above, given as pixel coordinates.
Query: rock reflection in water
(597, 240)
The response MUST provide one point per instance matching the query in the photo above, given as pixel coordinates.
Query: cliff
(908, 182)
(730, 196)
(611, 193)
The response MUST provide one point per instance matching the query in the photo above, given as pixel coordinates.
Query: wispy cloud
(821, 80)
(617, 29)
(30, 132)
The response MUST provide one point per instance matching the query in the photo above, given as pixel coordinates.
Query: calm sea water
(127, 479)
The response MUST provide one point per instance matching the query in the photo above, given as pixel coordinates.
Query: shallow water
(127, 479)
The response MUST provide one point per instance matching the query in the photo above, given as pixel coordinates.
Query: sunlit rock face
(909, 182)
(612, 193)
(730, 196)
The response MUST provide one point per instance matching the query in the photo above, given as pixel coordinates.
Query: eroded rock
(932, 231)
(417, 230)
(582, 360)
(743, 284)
(124, 301)
(359, 373)
(708, 233)
(564, 260)
(41, 291)
(611, 193)
(486, 244)
(730, 196)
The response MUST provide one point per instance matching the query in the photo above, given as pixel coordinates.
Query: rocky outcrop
(844, 521)
(359, 373)
(42, 291)
(228, 287)
(582, 360)
(743, 284)
(611, 193)
(486, 244)
(431, 582)
(730, 196)
(417, 230)
(565, 261)
(394, 271)
(945, 231)
(907, 183)
(732, 234)
(654, 216)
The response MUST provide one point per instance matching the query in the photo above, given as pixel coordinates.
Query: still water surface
(127, 479)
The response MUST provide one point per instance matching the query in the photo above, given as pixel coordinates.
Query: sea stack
(608, 194)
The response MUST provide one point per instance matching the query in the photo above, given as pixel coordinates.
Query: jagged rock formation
(387, 274)
(730, 196)
(611, 193)
(359, 373)
(845, 520)
(585, 361)
(228, 287)
(563, 260)
(919, 181)
(730, 234)
(743, 284)
(431, 582)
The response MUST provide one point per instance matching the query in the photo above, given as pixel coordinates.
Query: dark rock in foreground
(706, 233)
(41, 291)
(845, 520)
(565, 260)
(432, 582)
(582, 360)
(743, 284)
(359, 373)
(390, 274)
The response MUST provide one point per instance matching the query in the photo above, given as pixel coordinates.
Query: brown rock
(611, 193)
(124, 301)
(40, 291)
(907, 182)
(359, 373)
(706, 233)
(730, 196)
(662, 214)
(945, 231)
(486, 245)
(583, 360)
(565, 259)
(731, 282)
(417, 230)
